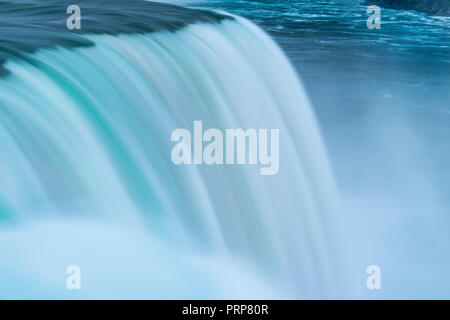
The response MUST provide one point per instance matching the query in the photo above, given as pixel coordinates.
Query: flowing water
(382, 98)
(86, 176)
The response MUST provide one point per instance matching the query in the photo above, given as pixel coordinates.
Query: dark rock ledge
(29, 25)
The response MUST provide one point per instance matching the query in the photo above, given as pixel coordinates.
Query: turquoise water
(86, 175)
(382, 98)
(338, 56)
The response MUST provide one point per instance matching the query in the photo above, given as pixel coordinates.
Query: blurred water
(87, 177)
(383, 102)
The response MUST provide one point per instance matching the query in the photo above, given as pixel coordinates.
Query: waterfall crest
(86, 176)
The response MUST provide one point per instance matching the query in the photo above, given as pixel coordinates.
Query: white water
(86, 176)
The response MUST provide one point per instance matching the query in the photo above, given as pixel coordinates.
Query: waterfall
(86, 175)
